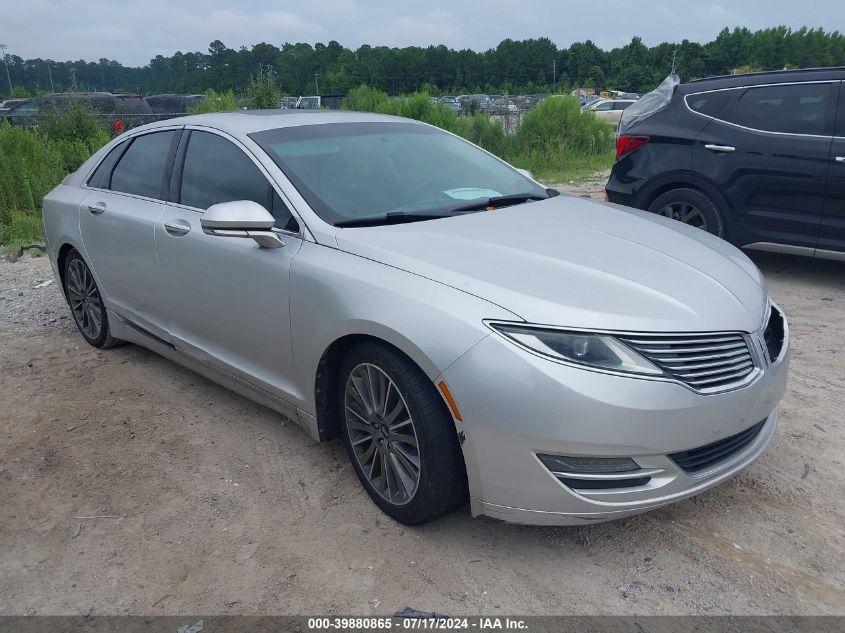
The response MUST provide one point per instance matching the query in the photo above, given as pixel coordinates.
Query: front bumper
(516, 405)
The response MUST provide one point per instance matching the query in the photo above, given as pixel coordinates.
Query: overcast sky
(134, 32)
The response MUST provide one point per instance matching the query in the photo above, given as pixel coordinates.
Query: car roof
(766, 77)
(248, 121)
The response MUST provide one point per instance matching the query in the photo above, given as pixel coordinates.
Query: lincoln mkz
(468, 333)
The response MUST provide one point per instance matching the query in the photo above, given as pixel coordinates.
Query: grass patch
(33, 160)
(565, 167)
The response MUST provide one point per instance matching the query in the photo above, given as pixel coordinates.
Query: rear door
(227, 298)
(117, 220)
(832, 233)
(768, 151)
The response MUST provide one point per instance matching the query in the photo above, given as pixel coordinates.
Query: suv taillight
(626, 144)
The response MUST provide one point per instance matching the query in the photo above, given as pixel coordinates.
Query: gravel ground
(130, 485)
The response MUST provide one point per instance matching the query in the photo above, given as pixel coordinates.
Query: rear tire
(399, 435)
(692, 207)
(86, 302)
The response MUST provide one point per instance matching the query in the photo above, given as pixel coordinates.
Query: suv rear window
(793, 109)
(711, 103)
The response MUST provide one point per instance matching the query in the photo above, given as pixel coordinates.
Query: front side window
(141, 170)
(216, 171)
(352, 171)
(794, 109)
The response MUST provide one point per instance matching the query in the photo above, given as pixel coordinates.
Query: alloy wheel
(686, 213)
(85, 301)
(382, 434)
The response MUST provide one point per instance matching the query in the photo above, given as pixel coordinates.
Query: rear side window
(621, 105)
(141, 170)
(793, 109)
(711, 103)
(216, 171)
(607, 105)
(101, 176)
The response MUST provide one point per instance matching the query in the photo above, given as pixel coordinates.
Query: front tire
(692, 207)
(399, 435)
(86, 302)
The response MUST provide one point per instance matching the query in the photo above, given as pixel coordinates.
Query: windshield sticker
(471, 193)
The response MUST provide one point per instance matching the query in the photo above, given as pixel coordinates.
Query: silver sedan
(468, 333)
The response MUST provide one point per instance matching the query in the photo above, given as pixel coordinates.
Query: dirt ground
(130, 486)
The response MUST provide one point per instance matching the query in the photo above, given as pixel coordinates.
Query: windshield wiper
(497, 202)
(395, 217)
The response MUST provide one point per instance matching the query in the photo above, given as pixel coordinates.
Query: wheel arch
(328, 367)
(684, 180)
(61, 257)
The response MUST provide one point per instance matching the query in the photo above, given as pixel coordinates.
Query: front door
(768, 151)
(227, 298)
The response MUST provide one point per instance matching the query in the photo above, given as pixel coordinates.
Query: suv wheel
(399, 436)
(692, 207)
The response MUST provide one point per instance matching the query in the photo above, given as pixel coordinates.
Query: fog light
(564, 464)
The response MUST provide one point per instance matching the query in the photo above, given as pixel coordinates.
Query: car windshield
(351, 171)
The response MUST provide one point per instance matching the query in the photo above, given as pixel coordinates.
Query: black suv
(118, 111)
(758, 159)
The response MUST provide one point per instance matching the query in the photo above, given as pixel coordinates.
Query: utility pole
(316, 85)
(6, 61)
(554, 74)
(50, 73)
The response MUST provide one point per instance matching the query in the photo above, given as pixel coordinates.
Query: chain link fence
(123, 111)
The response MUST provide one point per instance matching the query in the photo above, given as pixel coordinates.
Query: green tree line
(524, 66)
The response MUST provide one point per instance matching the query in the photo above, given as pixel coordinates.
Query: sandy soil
(592, 187)
(130, 485)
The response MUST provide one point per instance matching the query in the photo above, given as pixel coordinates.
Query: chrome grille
(706, 362)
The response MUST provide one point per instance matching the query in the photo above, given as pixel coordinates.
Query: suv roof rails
(769, 72)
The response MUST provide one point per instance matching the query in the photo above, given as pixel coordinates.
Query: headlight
(594, 350)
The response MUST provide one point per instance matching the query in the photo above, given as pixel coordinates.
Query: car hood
(573, 262)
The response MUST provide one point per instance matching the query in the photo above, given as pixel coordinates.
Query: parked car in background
(7, 105)
(609, 110)
(758, 159)
(118, 111)
(501, 105)
(589, 99)
(313, 102)
(469, 334)
(288, 103)
(477, 102)
(452, 103)
(166, 106)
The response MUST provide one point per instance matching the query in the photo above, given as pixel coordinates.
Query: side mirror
(241, 218)
(525, 173)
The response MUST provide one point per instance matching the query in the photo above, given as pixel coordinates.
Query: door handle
(840, 159)
(97, 208)
(177, 228)
(720, 148)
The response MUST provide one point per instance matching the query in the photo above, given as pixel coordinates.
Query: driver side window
(216, 170)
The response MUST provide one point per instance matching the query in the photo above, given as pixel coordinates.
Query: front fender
(336, 294)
